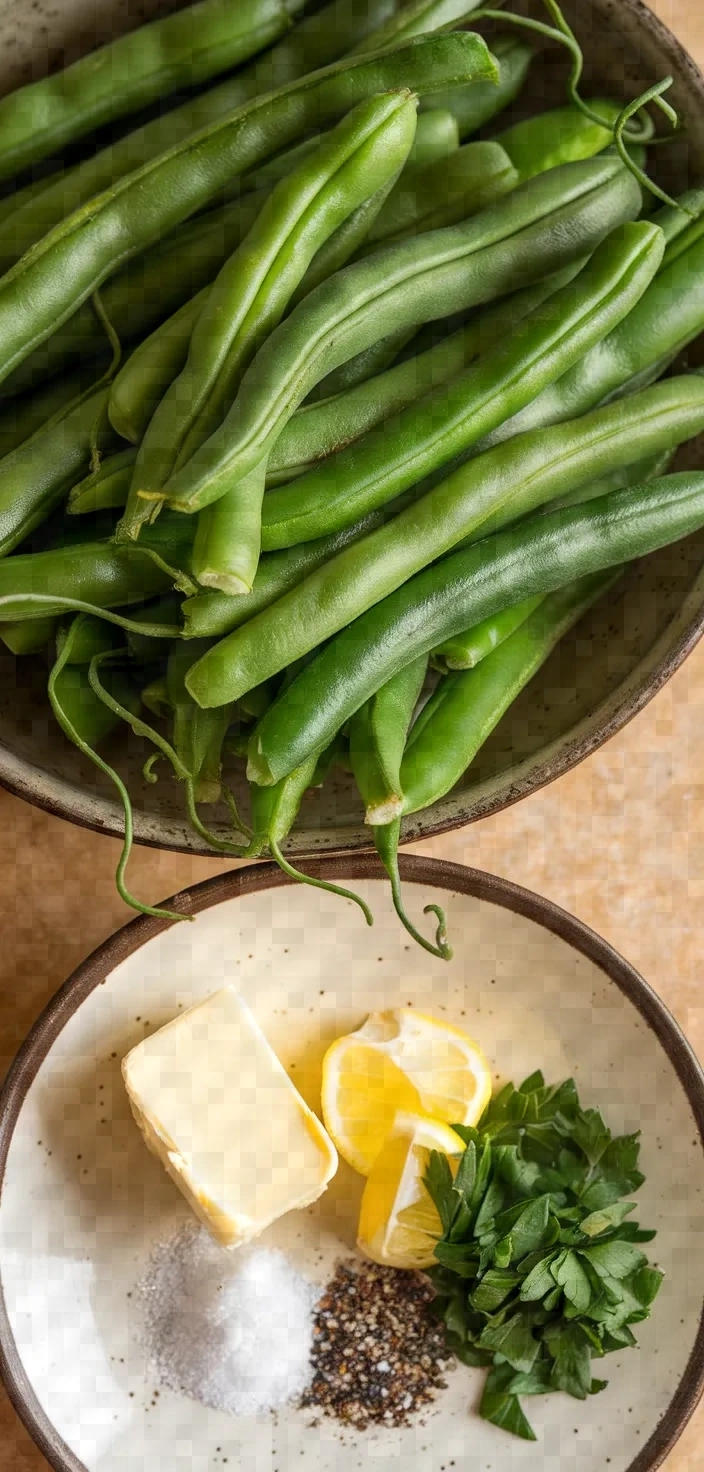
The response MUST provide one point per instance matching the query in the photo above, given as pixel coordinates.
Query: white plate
(83, 1202)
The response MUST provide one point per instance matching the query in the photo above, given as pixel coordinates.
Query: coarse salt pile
(233, 1330)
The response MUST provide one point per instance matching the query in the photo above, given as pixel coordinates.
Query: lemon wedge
(399, 1061)
(398, 1223)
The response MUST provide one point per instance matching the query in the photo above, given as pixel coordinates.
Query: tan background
(619, 842)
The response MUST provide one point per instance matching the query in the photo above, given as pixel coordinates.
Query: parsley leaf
(538, 1271)
(571, 1276)
(614, 1259)
(503, 1408)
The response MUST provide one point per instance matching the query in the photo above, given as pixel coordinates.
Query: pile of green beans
(323, 419)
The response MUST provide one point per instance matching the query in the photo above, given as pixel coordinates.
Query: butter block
(217, 1107)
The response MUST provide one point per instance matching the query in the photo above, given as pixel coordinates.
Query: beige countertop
(619, 842)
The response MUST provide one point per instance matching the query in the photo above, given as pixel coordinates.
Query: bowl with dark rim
(83, 1203)
(601, 675)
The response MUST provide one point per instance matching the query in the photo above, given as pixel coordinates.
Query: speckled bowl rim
(55, 795)
(435, 873)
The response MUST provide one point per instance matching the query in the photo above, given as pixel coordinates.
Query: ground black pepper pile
(377, 1353)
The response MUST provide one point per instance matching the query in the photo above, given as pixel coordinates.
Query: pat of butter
(217, 1107)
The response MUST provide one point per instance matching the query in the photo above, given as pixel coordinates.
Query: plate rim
(415, 869)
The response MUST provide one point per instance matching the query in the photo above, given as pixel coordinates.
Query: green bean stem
(67, 719)
(386, 839)
(274, 811)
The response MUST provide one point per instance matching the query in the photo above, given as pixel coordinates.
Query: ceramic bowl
(602, 673)
(82, 1202)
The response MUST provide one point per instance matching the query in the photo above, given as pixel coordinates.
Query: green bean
(90, 637)
(22, 417)
(415, 18)
(669, 315)
(150, 369)
(342, 245)
(178, 51)
(437, 136)
(211, 614)
(470, 182)
(99, 573)
(499, 486)
(378, 733)
(93, 720)
(476, 643)
(363, 153)
(198, 735)
(318, 430)
(155, 698)
(463, 712)
(533, 231)
(542, 554)
(16, 199)
(162, 615)
(105, 488)
(560, 136)
(624, 475)
(465, 650)
(467, 705)
(477, 103)
(145, 291)
(316, 42)
(435, 429)
(679, 229)
(38, 474)
(335, 755)
(153, 366)
(442, 194)
(256, 701)
(27, 635)
(428, 143)
(362, 366)
(64, 269)
(228, 537)
(377, 739)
